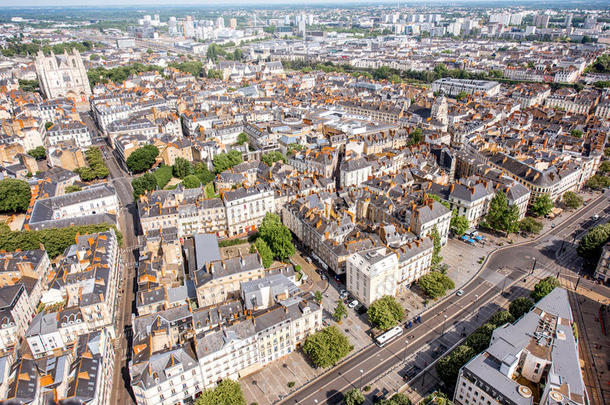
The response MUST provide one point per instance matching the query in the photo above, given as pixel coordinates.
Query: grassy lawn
(210, 192)
(163, 175)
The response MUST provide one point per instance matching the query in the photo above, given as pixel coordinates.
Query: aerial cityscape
(252, 203)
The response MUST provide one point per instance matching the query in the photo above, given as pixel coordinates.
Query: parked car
(353, 303)
(343, 291)
(343, 295)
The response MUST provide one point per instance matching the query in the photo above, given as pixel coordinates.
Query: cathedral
(63, 76)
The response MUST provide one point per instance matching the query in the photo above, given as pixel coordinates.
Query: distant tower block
(63, 76)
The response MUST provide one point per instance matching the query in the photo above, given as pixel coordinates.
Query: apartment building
(322, 163)
(354, 172)
(68, 132)
(220, 280)
(538, 352)
(470, 199)
(16, 311)
(93, 205)
(554, 180)
(453, 87)
(246, 208)
(51, 332)
(424, 218)
(178, 353)
(25, 263)
(572, 101)
(371, 274)
(87, 278)
(187, 210)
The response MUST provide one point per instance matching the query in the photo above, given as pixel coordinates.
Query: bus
(385, 337)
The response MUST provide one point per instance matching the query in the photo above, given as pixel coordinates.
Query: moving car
(459, 293)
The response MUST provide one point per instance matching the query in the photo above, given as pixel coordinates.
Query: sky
(101, 3)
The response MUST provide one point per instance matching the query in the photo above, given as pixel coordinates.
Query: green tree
(500, 318)
(436, 252)
(97, 168)
(542, 205)
(544, 287)
(326, 347)
(435, 284)
(396, 399)
(227, 392)
(224, 161)
(142, 158)
(462, 95)
(277, 236)
(54, 240)
(459, 224)
(520, 306)
(502, 216)
(242, 138)
(29, 85)
(480, 338)
(530, 225)
(577, 133)
(386, 312)
(572, 200)
(340, 311)
(264, 251)
(38, 153)
(72, 189)
(182, 168)
(590, 245)
(598, 182)
(191, 181)
(201, 171)
(15, 195)
(353, 397)
(604, 167)
(416, 136)
(449, 366)
(141, 185)
(214, 74)
(318, 297)
(271, 157)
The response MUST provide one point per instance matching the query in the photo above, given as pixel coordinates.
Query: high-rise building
(590, 22)
(63, 75)
(568, 20)
(541, 20)
(232, 23)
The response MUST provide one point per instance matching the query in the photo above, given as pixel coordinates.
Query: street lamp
(361, 373)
